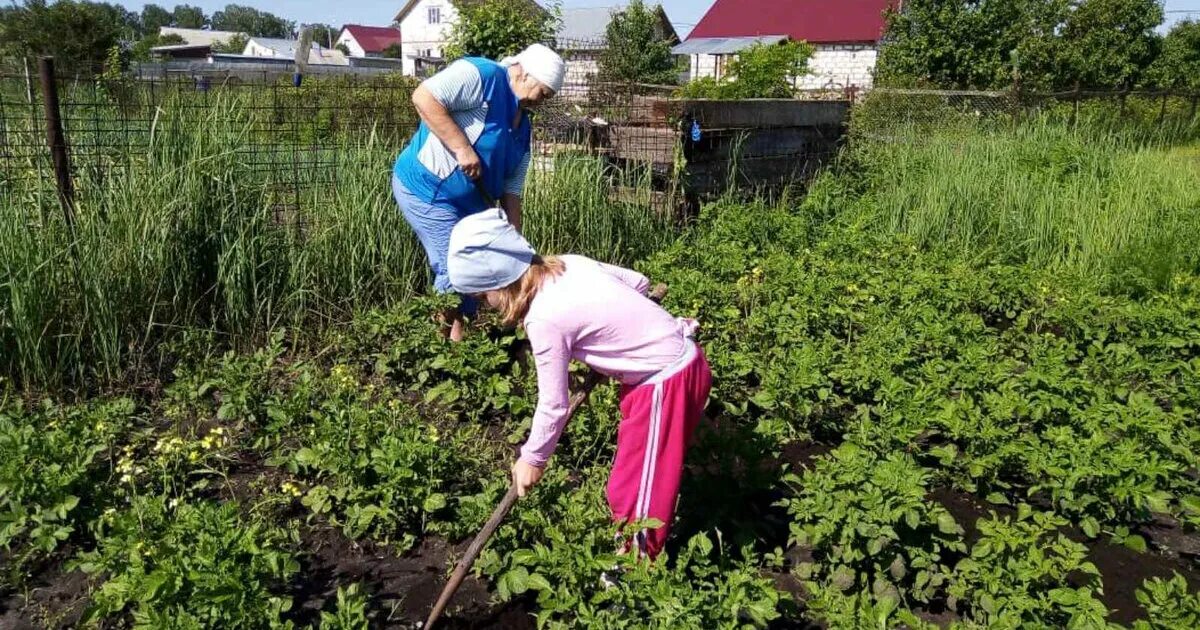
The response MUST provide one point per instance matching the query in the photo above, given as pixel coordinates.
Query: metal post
(57, 141)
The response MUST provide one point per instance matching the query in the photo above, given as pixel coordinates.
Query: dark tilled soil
(52, 597)
(1122, 570)
(402, 588)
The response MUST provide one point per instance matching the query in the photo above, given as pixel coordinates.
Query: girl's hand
(525, 476)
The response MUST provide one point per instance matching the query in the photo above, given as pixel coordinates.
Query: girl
(474, 126)
(573, 307)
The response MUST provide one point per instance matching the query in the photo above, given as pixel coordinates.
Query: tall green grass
(194, 231)
(1088, 202)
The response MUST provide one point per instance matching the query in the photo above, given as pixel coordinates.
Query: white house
(846, 35)
(199, 37)
(424, 30)
(368, 41)
(270, 48)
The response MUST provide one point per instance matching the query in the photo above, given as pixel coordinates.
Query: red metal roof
(374, 39)
(815, 21)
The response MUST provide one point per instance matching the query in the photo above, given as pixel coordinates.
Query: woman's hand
(468, 161)
(525, 476)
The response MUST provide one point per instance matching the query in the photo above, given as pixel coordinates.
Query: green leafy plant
(1017, 573)
(868, 526)
(761, 71)
(498, 28)
(193, 565)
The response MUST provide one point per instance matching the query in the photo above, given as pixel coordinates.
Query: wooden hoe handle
(510, 498)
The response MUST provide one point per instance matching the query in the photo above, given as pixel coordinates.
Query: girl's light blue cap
(486, 253)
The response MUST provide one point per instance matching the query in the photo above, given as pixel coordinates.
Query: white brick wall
(831, 66)
(840, 66)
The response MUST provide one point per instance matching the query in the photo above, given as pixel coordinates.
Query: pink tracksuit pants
(658, 418)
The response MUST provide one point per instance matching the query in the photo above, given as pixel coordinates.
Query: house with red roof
(846, 34)
(367, 41)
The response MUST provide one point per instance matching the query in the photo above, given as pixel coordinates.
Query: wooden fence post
(57, 141)
(1075, 109)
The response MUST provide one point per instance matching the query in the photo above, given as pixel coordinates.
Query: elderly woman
(474, 132)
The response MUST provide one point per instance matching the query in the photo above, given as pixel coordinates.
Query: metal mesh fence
(286, 135)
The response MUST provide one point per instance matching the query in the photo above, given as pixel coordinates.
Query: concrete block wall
(831, 66)
(840, 66)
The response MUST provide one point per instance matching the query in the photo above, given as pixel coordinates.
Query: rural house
(846, 35)
(368, 41)
(197, 43)
(285, 49)
(425, 30)
(582, 37)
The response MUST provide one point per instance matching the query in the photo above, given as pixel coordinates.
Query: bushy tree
(235, 45)
(1038, 44)
(499, 28)
(155, 17)
(965, 43)
(323, 34)
(637, 47)
(243, 19)
(141, 50)
(761, 71)
(78, 34)
(1108, 43)
(188, 16)
(393, 51)
(1178, 65)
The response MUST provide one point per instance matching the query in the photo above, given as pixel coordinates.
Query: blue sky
(685, 13)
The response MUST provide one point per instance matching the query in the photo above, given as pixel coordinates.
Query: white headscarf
(541, 63)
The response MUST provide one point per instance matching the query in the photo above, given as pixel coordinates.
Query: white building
(424, 30)
(368, 41)
(199, 37)
(271, 48)
(846, 35)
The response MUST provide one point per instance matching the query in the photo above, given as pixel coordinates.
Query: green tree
(1042, 44)
(155, 17)
(188, 16)
(968, 44)
(1109, 43)
(761, 71)
(78, 34)
(498, 28)
(141, 50)
(233, 46)
(393, 51)
(243, 19)
(323, 34)
(637, 49)
(1178, 65)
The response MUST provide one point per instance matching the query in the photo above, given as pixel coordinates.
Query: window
(435, 15)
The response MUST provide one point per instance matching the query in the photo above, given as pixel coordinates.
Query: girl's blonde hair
(514, 299)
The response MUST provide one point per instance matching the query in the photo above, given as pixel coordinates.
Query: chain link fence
(289, 135)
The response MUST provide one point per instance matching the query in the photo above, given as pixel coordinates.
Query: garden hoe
(510, 498)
